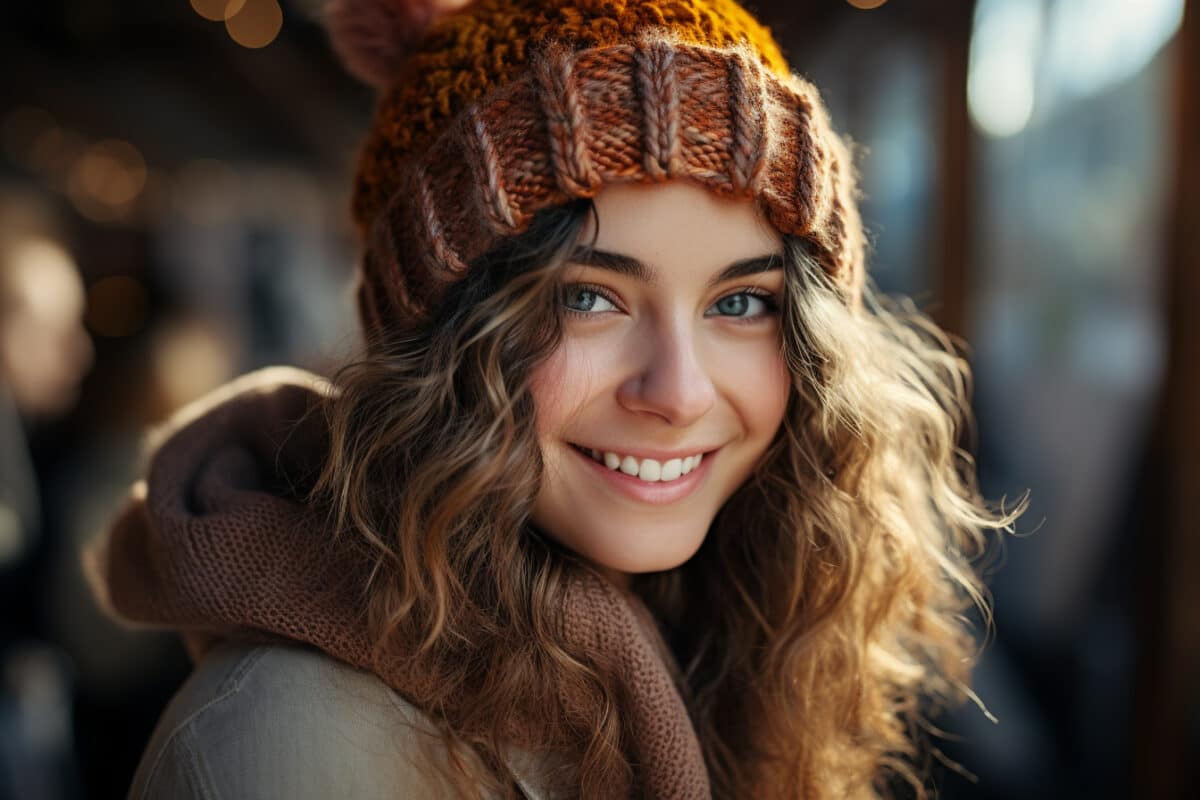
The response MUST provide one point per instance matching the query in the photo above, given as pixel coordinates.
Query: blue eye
(737, 305)
(745, 305)
(590, 296)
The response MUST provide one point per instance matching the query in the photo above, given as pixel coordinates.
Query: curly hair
(822, 613)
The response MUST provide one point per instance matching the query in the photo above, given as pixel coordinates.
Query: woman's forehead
(648, 229)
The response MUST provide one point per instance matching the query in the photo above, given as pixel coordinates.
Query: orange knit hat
(502, 108)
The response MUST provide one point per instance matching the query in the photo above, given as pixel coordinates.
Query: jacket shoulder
(281, 720)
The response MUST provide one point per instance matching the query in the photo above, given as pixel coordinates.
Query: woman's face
(666, 356)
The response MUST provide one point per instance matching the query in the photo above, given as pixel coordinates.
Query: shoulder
(279, 720)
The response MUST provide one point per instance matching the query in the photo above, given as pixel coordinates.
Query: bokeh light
(866, 5)
(1094, 44)
(106, 179)
(47, 275)
(1000, 78)
(45, 350)
(117, 306)
(217, 10)
(256, 24)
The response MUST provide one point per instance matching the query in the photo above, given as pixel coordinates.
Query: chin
(635, 552)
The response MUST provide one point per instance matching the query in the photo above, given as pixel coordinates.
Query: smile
(647, 469)
(651, 487)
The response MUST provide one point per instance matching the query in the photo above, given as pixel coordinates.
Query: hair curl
(822, 612)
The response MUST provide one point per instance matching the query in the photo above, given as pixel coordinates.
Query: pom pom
(373, 38)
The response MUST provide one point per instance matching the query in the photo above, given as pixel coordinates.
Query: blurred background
(174, 190)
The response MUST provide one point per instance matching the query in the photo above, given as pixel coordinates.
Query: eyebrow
(630, 266)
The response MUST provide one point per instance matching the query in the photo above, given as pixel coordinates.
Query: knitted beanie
(501, 108)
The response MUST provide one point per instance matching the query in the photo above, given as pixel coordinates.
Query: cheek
(758, 384)
(560, 386)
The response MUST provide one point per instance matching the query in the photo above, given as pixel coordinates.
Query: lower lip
(657, 493)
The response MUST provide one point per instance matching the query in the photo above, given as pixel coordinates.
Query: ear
(373, 38)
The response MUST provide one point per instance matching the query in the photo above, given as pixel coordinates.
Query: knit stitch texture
(511, 106)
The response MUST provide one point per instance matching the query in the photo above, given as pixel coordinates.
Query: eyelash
(767, 297)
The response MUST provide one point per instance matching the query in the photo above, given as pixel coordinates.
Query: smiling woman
(676, 356)
(638, 489)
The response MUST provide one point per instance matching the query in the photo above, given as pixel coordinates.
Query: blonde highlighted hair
(822, 614)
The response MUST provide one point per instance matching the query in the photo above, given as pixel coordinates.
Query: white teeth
(647, 469)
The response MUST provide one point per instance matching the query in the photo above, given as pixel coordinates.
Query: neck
(622, 580)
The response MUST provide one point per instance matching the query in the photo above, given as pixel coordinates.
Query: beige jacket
(259, 721)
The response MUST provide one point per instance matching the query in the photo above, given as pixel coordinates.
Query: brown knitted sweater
(215, 541)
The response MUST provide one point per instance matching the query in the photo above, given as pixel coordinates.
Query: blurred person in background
(44, 354)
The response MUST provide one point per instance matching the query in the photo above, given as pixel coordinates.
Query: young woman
(638, 489)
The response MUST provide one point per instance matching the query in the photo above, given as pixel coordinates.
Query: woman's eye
(735, 305)
(581, 299)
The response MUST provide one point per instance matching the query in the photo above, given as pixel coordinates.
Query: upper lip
(644, 452)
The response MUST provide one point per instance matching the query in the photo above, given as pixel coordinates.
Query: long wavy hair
(820, 620)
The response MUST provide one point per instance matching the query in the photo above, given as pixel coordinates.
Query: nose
(670, 380)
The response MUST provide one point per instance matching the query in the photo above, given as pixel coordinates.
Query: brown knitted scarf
(216, 542)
